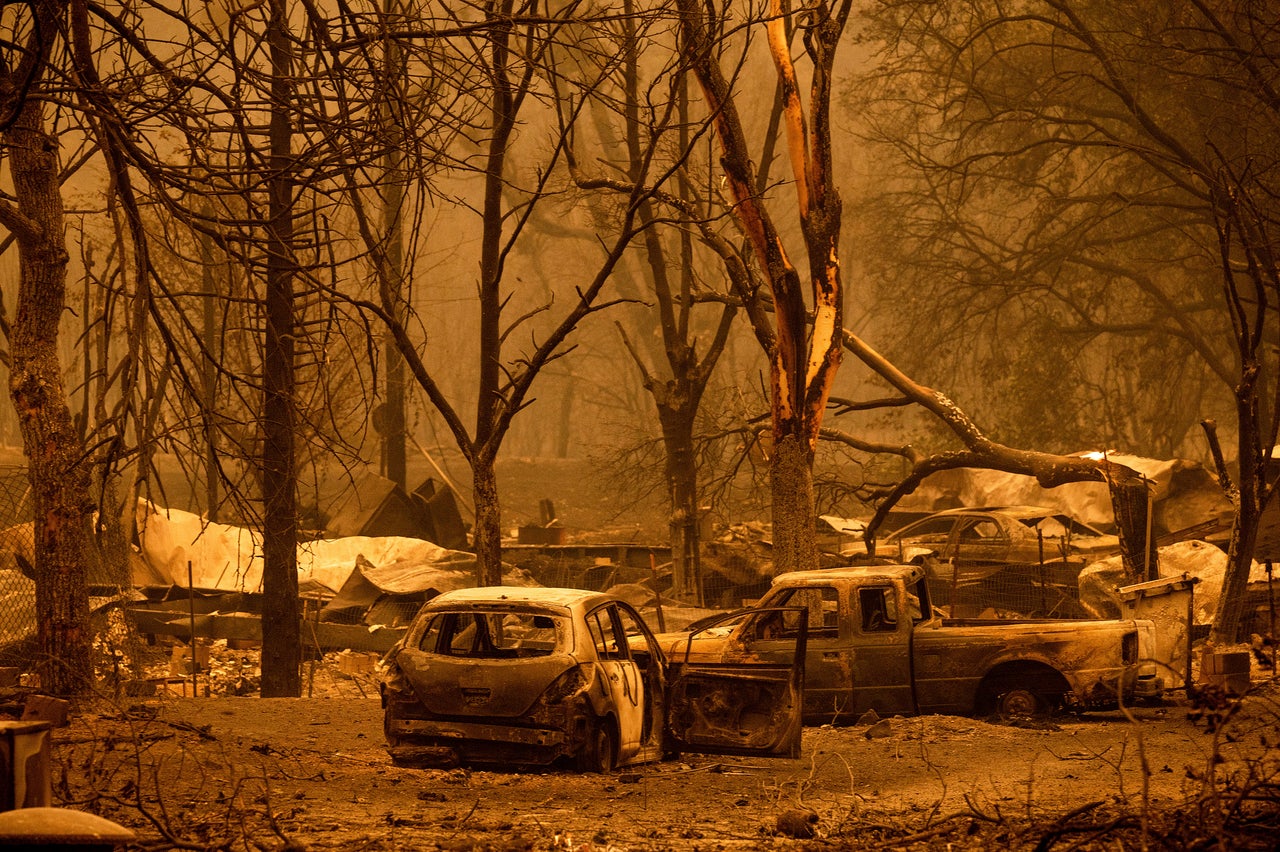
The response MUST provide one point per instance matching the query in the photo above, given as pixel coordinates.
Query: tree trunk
(564, 425)
(57, 463)
(1230, 610)
(795, 546)
(1250, 497)
(281, 622)
(491, 411)
(209, 375)
(395, 466)
(487, 534)
(682, 487)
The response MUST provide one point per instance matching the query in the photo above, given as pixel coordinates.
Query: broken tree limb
(1210, 428)
(1130, 495)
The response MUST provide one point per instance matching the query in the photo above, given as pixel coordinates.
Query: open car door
(739, 707)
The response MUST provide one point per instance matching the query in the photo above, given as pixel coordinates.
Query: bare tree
(57, 462)
(281, 630)
(1113, 168)
(523, 57)
(242, 188)
(672, 277)
(803, 364)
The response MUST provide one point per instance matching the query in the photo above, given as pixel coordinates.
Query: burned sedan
(534, 676)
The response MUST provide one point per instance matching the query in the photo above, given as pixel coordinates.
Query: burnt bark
(56, 460)
(490, 416)
(677, 414)
(486, 536)
(803, 362)
(1249, 497)
(394, 461)
(791, 487)
(281, 621)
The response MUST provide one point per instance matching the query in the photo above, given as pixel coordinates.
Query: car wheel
(1021, 704)
(600, 752)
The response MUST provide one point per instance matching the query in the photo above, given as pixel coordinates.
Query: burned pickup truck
(874, 643)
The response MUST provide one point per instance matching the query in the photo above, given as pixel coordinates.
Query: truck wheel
(392, 739)
(599, 753)
(1021, 704)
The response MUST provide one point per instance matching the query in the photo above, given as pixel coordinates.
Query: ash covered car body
(534, 676)
(997, 535)
(1016, 559)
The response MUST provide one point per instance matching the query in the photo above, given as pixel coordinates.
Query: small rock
(880, 730)
(796, 823)
(869, 718)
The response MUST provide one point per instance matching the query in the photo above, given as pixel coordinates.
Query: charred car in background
(534, 676)
(1018, 559)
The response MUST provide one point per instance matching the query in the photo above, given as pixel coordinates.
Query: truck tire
(1021, 704)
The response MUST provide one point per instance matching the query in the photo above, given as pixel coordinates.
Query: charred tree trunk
(486, 537)
(209, 376)
(1251, 279)
(56, 458)
(395, 465)
(682, 488)
(281, 622)
(677, 399)
(791, 487)
(803, 361)
(1249, 496)
(490, 402)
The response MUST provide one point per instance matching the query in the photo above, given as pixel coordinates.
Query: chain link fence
(17, 544)
(1006, 590)
(115, 645)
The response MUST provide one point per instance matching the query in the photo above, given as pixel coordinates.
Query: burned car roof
(566, 599)
(1030, 515)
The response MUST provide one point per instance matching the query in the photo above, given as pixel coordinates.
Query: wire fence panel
(17, 548)
(1007, 590)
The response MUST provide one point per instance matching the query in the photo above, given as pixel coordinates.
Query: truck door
(881, 677)
(828, 663)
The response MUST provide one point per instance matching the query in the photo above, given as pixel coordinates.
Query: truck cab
(861, 625)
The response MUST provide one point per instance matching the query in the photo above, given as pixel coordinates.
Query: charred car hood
(493, 688)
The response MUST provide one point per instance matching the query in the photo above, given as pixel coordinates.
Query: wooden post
(191, 604)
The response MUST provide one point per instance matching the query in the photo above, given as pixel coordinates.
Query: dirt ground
(312, 773)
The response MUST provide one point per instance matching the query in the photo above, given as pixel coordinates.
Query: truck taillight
(1129, 648)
